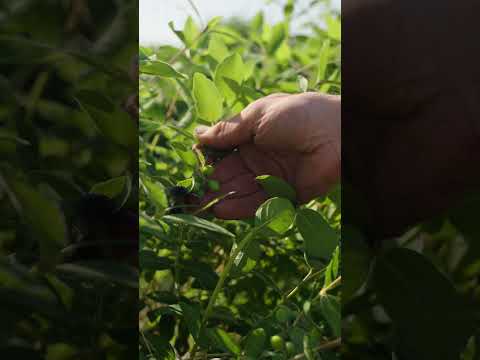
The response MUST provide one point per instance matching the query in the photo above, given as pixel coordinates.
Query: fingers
(229, 167)
(262, 162)
(240, 186)
(234, 176)
(236, 206)
(238, 130)
(239, 208)
(227, 134)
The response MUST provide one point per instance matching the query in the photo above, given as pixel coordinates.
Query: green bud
(207, 170)
(213, 185)
(290, 348)
(277, 342)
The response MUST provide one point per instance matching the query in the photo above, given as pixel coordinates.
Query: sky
(155, 15)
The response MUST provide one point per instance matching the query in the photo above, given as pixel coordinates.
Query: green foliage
(208, 100)
(276, 187)
(229, 287)
(416, 295)
(65, 137)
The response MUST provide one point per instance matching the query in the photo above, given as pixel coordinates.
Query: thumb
(227, 134)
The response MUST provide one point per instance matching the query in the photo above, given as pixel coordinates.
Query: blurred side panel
(411, 179)
(68, 179)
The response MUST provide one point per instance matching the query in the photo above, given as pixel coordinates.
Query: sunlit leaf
(208, 100)
(320, 239)
(159, 68)
(232, 68)
(197, 222)
(277, 187)
(217, 48)
(277, 214)
(111, 187)
(191, 32)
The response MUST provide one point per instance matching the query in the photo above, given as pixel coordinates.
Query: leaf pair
(210, 95)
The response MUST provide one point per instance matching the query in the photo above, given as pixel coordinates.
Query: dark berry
(178, 191)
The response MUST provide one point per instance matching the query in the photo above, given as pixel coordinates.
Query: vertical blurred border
(410, 180)
(68, 179)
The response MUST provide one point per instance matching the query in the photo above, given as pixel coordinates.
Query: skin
(295, 137)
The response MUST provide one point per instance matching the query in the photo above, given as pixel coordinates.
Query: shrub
(261, 288)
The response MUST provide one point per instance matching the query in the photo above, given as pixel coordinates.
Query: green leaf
(18, 277)
(334, 28)
(95, 99)
(149, 260)
(356, 261)
(197, 222)
(330, 309)
(187, 183)
(187, 156)
(64, 292)
(276, 37)
(277, 187)
(323, 61)
(289, 8)
(208, 100)
(413, 291)
(117, 126)
(277, 214)
(160, 68)
(217, 48)
(283, 54)
(212, 24)
(335, 195)
(255, 343)
(110, 188)
(144, 53)
(192, 315)
(61, 351)
(331, 272)
(179, 33)
(45, 220)
(156, 192)
(6, 135)
(333, 77)
(247, 259)
(191, 32)
(223, 341)
(249, 69)
(319, 238)
(231, 68)
(104, 271)
(256, 24)
(205, 277)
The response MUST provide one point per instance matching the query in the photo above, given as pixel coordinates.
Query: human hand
(294, 137)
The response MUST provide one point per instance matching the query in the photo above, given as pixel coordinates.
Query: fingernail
(199, 130)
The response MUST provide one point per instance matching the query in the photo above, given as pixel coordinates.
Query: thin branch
(329, 345)
(332, 286)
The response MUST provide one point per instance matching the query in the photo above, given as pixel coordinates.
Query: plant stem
(311, 275)
(226, 271)
(332, 286)
(11, 196)
(177, 262)
(328, 345)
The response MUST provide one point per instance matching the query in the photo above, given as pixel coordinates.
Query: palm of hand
(237, 172)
